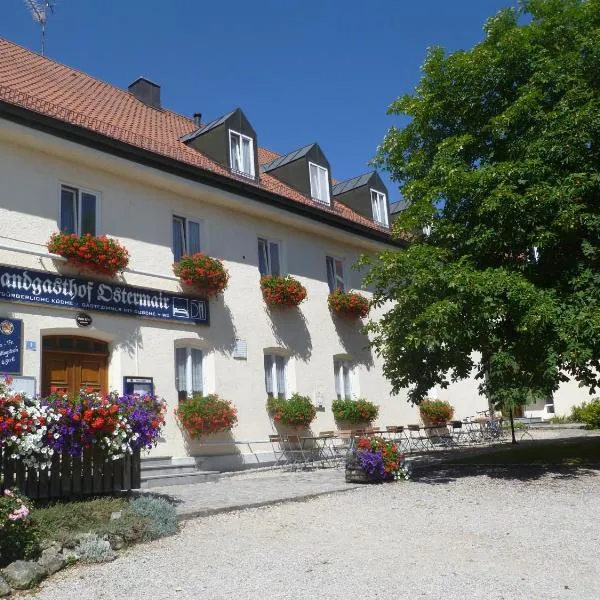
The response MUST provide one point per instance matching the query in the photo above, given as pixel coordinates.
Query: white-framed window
(342, 371)
(319, 183)
(335, 273)
(79, 210)
(241, 153)
(188, 371)
(380, 208)
(276, 376)
(186, 237)
(269, 257)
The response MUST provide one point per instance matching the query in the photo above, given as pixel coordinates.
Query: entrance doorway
(71, 363)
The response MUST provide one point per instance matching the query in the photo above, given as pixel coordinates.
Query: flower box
(378, 459)
(99, 254)
(348, 304)
(435, 412)
(206, 274)
(204, 415)
(354, 412)
(282, 291)
(297, 411)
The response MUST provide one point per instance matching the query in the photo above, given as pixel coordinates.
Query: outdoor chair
(327, 454)
(459, 435)
(371, 431)
(278, 452)
(294, 452)
(417, 441)
(342, 444)
(438, 436)
(396, 434)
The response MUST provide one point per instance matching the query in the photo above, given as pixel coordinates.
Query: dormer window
(319, 183)
(241, 149)
(379, 204)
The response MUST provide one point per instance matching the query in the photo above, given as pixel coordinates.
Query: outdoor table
(315, 448)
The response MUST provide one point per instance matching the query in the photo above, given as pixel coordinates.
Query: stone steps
(164, 471)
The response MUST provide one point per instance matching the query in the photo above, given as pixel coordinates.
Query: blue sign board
(11, 345)
(40, 287)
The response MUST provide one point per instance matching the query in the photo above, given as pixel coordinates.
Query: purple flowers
(372, 464)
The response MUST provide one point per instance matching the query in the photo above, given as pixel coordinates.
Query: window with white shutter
(186, 237)
(188, 372)
(319, 183)
(269, 257)
(275, 375)
(335, 273)
(342, 373)
(78, 211)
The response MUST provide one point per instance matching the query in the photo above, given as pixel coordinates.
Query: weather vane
(40, 10)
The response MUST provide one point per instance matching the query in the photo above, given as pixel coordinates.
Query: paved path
(252, 489)
(499, 535)
(255, 489)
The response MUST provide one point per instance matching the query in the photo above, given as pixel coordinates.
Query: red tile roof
(44, 86)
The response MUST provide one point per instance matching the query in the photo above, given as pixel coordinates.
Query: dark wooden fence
(93, 474)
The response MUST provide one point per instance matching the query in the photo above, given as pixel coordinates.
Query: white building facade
(79, 155)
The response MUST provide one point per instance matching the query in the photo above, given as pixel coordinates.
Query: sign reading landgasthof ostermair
(40, 287)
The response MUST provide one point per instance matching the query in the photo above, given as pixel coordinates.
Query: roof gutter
(98, 141)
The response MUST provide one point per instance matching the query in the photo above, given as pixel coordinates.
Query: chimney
(198, 119)
(146, 91)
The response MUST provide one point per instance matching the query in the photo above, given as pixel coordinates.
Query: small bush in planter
(282, 291)
(206, 274)
(96, 253)
(201, 415)
(348, 304)
(297, 411)
(354, 411)
(435, 411)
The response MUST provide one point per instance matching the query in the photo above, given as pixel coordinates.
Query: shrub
(588, 413)
(282, 291)
(297, 411)
(206, 274)
(160, 514)
(348, 304)
(354, 411)
(436, 411)
(96, 253)
(62, 521)
(201, 415)
(92, 549)
(18, 538)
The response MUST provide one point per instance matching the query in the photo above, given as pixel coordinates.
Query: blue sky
(316, 70)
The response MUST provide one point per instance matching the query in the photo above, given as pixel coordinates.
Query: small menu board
(11, 346)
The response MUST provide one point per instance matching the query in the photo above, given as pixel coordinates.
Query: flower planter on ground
(375, 460)
(99, 254)
(282, 291)
(87, 444)
(348, 304)
(205, 274)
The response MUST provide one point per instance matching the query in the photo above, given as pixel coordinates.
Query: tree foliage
(499, 165)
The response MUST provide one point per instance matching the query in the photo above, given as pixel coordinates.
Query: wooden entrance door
(71, 363)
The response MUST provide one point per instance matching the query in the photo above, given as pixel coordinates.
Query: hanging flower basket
(348, 304)
(204, 273)
(95, 253)
(202, 415)
(282, 291)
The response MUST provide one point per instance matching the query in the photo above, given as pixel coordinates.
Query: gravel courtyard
(447, 535)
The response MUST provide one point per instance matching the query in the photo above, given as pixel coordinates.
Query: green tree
(499, 166)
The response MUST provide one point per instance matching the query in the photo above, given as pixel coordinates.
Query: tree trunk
(512, 425)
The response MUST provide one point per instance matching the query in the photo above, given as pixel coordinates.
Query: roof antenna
(39, 10)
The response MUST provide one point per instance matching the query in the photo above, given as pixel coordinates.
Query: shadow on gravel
(447, 474)
(174, 500)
